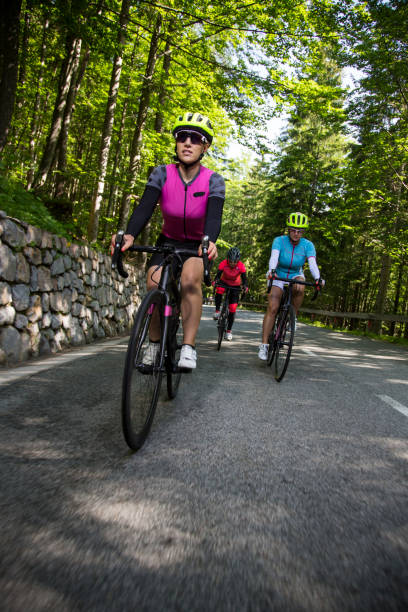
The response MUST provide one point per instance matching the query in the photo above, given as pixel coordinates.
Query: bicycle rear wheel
(286, 334)
(143, 373)
(222, 324)
(174, 344)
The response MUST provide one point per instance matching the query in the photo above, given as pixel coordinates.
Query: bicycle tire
(174, 343)
(286, 323)
(272, 343)
(141, 382)
(222, 323)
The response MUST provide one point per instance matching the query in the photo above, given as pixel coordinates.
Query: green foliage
(23, 205)
(342, 159)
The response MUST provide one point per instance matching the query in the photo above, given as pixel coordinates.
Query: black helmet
(233, 255)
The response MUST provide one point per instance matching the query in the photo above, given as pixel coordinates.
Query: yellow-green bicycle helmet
(194, 121)
(298, 220)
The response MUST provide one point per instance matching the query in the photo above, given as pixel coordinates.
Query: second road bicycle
(281, 338)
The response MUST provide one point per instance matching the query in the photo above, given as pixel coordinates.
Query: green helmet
(298, 220)
(194, 121)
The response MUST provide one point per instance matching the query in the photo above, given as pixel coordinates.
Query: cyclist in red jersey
(191, 200)
(231, 272)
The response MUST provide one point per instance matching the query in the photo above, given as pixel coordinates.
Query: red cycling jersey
(231, 276)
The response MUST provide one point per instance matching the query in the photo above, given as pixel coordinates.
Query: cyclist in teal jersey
(288, 256)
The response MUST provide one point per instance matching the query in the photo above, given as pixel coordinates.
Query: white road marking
(394, 404)
(18, 372)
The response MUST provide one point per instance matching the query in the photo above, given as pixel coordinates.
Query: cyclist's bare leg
(274, 299)
(298, 293)
(191, 298)
(152, 280)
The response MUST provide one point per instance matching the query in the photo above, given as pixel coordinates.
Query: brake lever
(204, 245)
(117, 255)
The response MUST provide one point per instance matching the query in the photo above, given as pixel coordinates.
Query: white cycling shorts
(280, 284)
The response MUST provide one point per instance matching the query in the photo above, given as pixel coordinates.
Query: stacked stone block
(54, 294)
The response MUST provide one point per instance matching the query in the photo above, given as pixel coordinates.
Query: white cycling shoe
(188, 357)
(263, 352)
(216, 315)
(228, 335)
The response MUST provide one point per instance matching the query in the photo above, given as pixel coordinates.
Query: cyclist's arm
(212, 226)
(313, 267)
(143, 213)
(215, 205)
(273, 260)
(244, 281)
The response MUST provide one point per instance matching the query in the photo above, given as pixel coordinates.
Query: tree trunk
(162, 95)
(113, 190)
(67, 70)
(9, 42)
(61, 150)
(93, 225)
(134, 162)
(382, 291)
(24, 44)
(36, 107)
(397, 295)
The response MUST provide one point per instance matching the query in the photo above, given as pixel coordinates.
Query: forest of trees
(90, 89)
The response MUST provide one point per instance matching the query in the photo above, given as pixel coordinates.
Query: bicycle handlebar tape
(204, 244)
(117, 255)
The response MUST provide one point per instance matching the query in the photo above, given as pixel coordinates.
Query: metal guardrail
(367, 316)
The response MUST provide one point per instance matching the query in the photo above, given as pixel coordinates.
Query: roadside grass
(24, 206)
(356, 332)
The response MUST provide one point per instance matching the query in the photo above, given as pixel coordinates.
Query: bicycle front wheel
(284, 343)
(143, 372)
(272, 343)
(173, 355)
(222, 325)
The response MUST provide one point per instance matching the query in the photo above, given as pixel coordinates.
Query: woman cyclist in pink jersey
(288, 256)
(232, 273)
(191, 200)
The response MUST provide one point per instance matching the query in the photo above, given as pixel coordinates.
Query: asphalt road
(248, 495)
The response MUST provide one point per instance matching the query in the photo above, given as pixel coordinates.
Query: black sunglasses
(195, 137)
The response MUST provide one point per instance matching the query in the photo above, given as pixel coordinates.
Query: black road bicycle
(281, 338)
(145, 363)
(222, 321)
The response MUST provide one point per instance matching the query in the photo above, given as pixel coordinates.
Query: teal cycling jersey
(292, 257)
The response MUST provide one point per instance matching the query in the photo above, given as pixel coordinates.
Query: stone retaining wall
(54, 294)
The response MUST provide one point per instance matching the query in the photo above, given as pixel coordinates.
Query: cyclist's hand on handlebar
(128, 241)
(319, 284)
(271, 274)
(212, 251)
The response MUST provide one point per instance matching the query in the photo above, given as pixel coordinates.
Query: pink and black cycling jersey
(189, 210)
